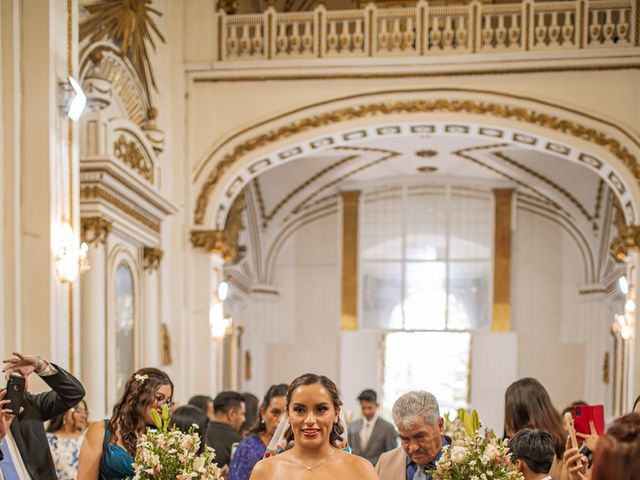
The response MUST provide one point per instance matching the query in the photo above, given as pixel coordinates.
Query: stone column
(93, 317)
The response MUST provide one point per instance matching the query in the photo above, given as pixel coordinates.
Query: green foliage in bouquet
(169, 454)
(464, 425)
(475, 454)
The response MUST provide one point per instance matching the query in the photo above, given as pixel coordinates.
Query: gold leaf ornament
(128, 24)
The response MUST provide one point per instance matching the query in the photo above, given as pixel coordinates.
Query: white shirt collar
(371, 422)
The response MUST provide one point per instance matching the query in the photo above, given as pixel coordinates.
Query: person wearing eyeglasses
(65, 434)
(110, 446)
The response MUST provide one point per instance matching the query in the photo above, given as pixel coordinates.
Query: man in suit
(229, 412)
(25, 449)
(421, 430)
(371, 436)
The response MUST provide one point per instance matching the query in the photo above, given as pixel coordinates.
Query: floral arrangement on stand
(476, 454)
(164, 453)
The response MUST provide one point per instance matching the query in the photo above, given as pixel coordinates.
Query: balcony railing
(423, 31)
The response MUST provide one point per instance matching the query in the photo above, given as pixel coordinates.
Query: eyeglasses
(162, 401)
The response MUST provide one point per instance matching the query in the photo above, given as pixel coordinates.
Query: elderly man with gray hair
(421, 430)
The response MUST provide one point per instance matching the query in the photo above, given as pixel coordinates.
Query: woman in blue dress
(110, 445)
(251, 449)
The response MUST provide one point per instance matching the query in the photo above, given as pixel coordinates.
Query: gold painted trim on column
(350, 212)
(501, 317)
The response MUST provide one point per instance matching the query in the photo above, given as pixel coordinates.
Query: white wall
(546, 275)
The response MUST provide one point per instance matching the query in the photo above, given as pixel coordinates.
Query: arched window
(124, 327)
(426, 266)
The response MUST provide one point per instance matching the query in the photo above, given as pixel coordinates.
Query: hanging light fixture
(71, 256)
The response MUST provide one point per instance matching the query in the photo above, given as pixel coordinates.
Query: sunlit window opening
(426, 267)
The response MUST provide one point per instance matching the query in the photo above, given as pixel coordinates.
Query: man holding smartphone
(24, 449)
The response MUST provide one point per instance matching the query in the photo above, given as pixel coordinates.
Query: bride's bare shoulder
(266, 468)
(359, 467)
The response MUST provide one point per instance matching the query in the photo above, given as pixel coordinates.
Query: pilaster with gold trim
(501, 316)
(350, 214)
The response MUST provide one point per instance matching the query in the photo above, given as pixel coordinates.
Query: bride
(313, 409)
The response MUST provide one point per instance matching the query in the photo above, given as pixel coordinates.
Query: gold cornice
(503, 111)
(95, 230)
(425, 74)
(96, 192)
(152, 258)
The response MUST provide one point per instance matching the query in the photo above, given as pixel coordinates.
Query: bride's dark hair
(335, 438)
(139, 393)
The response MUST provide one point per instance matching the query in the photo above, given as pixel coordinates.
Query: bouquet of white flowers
(480, 455)
(169, 454)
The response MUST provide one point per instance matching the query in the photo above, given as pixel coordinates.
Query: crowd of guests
(314, 442)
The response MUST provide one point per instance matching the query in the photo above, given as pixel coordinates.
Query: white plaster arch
(602, 145)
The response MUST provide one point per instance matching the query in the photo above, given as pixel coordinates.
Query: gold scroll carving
(130, 154)
(628, 237)
(225, 242)
(95, 230)
(152, 258)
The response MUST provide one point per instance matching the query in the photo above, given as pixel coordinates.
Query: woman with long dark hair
(109, 447)
(252, 448)
(313, 408)
(528, 405)
(65, 434)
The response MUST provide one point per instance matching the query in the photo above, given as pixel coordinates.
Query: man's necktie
(420, 475)
(6, 465)
(366, 433)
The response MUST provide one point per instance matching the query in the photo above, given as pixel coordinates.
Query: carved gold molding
(152, 258)
(628, 237)
(95, 230)
(130, 154)
(503, 111)
(166, 345)
(96, 192)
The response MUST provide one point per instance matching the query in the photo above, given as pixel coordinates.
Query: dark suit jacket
(383, 438)
(221, 438)
(28, 427)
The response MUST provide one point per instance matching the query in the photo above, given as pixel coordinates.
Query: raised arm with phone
(26, 437)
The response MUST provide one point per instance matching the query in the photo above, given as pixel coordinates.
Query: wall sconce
(223, 291)
(71, 256)
(73, 99)
(218, 323)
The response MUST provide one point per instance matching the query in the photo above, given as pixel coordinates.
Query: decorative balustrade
(423, 30)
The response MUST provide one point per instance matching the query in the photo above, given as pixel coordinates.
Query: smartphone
(15, 392)
(572, 430)
(583, 414)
